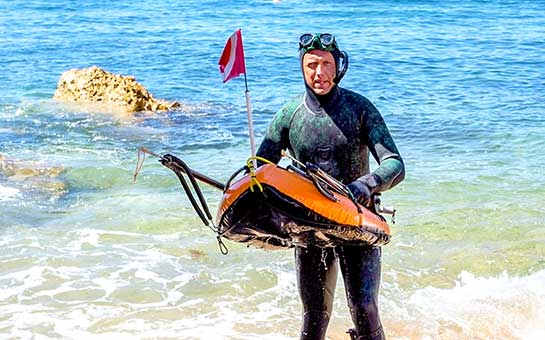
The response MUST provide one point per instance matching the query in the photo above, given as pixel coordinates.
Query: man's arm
(391, 169)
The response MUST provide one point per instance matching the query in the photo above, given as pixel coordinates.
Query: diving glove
(364, 187)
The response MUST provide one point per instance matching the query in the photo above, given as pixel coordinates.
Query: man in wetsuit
(336, 129)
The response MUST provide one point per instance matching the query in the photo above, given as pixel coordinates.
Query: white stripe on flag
(232, 56)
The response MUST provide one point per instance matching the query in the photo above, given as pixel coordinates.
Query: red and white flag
(232, 59)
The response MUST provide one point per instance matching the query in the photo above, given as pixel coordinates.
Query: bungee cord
(180, 168)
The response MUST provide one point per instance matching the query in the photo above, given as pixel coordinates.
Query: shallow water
(87, 253)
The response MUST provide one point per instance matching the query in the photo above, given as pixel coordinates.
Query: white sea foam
(21, 281)
(476, 307)
(86, 236)
(480, 307)
(8, 193)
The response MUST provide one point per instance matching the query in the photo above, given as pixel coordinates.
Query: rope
(141, 157)
(250, 165)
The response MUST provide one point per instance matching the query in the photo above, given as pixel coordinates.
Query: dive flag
(232, 59)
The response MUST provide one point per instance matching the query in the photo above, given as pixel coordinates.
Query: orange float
(288, 209)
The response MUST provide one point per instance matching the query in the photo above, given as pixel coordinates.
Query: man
(336, 129)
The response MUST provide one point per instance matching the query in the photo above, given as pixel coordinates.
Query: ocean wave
(501, 307)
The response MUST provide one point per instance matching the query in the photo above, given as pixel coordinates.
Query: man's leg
(316, 276)
(361, 267)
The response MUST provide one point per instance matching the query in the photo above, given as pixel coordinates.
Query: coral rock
(95, 85)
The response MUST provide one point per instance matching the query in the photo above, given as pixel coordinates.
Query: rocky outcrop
(94, 85)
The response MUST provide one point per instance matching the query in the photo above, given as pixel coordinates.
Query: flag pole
(250, 123)
(232, 65)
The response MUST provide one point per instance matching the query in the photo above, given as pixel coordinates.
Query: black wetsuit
(337, 132)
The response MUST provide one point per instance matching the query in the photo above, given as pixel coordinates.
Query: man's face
(319, 71)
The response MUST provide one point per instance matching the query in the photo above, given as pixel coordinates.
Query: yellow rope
(250, 166)
(257, 158)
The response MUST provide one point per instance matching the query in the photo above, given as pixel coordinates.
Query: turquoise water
(88, 254)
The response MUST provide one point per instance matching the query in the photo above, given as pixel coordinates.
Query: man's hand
(363, 188)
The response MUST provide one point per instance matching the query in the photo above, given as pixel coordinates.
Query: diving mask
(320, 41)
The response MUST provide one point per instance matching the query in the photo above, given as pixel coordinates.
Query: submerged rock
(32, 176)
(94, 85)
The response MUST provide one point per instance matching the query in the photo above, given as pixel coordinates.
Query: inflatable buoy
(289, 210)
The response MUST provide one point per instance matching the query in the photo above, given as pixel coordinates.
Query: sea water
(85, 253)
